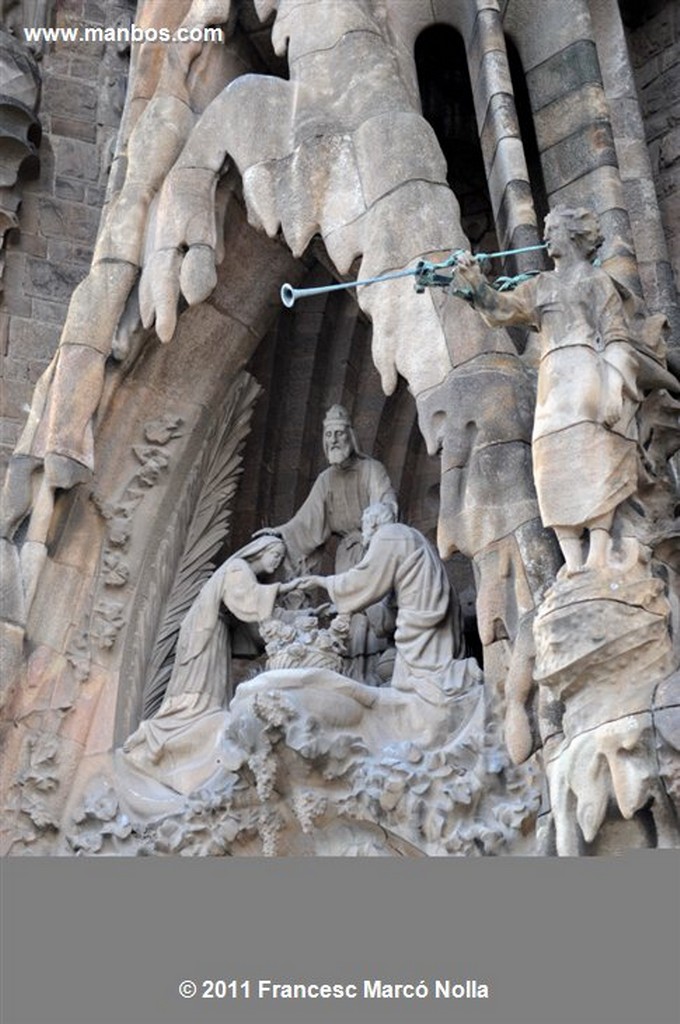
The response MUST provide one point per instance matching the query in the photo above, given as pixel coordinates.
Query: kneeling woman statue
(200, 682)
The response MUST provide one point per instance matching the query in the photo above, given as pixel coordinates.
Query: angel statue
(597, 356)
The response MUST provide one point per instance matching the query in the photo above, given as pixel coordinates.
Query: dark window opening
(636, 12)
(446, 96)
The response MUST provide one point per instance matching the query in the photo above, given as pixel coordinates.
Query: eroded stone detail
(602, 645)
(584, 666)
(109, 615)
(602, 634)
(20, 130)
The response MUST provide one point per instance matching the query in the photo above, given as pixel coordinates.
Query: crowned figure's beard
(338, 454)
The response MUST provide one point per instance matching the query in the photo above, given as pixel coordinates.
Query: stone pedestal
(603, 645)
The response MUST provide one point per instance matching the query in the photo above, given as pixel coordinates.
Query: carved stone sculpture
(330, 154)
(603, 645)
(181, 730)
(399, 559)
(334, 507)
(602, 638)
(305, 757)
(591, 374)
(335, 504)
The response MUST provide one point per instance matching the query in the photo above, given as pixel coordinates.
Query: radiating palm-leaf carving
(194, 534)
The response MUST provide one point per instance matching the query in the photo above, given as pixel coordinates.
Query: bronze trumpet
(425, 273)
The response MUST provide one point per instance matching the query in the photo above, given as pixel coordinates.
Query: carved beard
(339, 454)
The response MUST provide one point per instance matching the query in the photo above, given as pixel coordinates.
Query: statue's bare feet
(570, 570)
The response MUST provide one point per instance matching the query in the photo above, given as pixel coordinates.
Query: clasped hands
(303, 583)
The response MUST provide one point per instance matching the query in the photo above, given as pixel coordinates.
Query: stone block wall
(83, 91)
(654, 42)
(82, 100)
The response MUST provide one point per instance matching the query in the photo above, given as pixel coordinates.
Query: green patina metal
(427, 275)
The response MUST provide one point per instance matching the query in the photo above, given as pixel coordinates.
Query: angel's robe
(592, 363)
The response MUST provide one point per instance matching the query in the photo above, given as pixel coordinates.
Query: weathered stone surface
(355, 80)
(399, 315)
(569, 25)
(11, 653)
(487, 34)
(467, 338)
(500, 122)
(618, 647)
(570, 113)
(614, 763)
(298, 34)
(20, 132)
(250, 257)
(563, 72)
(578, 154)
(608, 620)
(65, 219)
(64, 94)
(339, 151)
(77, 159)
(414, 153)
(65, 188)
(667, 728)
(490, 78)
(49, 312)
(13, 611)
(55, 283)
(509, 164)
(475, 514)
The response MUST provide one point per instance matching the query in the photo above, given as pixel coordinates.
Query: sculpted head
(339, 442)
(375, 516)
(265, 554)
(567, 226)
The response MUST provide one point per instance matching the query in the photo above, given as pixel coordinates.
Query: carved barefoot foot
(570, 542)
(135, 740)
(568, 571)
(599, 552)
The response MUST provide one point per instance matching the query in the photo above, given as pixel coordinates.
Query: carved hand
(182, 244)
(469, 272)
(303, 583)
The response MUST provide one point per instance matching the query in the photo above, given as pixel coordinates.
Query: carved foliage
(192, 539)
(106, 613)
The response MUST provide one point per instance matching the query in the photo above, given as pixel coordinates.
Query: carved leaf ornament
(194, 535)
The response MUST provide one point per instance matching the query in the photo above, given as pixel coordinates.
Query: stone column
(504, 159)
(557, 47)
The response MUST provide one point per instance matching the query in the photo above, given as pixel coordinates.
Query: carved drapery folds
(580, 662)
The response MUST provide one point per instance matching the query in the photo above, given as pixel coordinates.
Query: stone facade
(654, 41)
(161, 437)
(81, 102)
